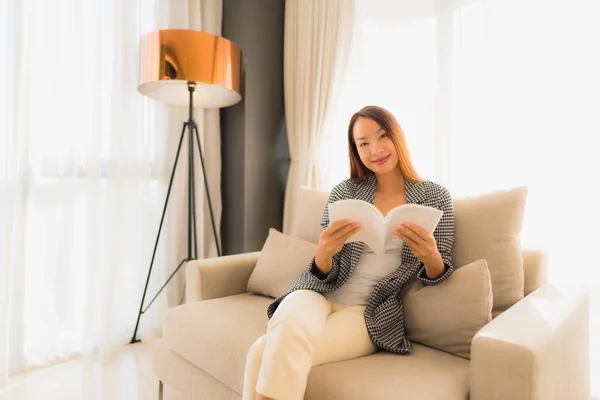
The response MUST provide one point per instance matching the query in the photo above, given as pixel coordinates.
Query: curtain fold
(317, 39)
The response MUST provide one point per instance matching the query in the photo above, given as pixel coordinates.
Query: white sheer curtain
(84, 167)
(317, 40)
(491, 94)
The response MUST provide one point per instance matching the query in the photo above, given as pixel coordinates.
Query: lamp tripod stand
(208, 65)
(191, 129)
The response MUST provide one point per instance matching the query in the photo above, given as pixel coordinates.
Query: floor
(129, 376)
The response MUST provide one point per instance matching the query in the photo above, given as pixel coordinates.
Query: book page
(426, 217)
(366, 214)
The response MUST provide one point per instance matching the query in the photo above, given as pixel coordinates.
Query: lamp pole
(192, 247)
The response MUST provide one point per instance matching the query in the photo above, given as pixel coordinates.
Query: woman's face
(374, 145)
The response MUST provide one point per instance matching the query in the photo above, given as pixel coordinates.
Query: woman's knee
(302, 297)
(301, 304)
(256, 350)
(345, 336)
(290, 325)
(303, 316)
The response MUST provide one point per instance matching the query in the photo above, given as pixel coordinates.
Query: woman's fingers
(409, 233)
(417, 230)
(353, 231)
(334, 237)
(412, 244)
(345, 232)
(338, 226)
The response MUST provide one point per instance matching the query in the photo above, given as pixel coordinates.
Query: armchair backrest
(306, 224)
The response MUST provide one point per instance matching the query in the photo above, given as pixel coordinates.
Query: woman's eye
(384, 135)
(363, 144)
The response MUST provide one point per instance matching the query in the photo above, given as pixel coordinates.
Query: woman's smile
(382, 160)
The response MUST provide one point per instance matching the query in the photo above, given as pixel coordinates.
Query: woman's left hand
(421, 243)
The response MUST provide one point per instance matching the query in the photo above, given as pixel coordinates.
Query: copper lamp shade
(171, 58)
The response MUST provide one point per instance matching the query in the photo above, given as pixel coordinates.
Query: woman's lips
(381, 161)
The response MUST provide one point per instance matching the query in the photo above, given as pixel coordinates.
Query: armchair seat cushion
(425, 374)
(215, 335)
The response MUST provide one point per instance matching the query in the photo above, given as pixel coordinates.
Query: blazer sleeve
(337, 193)
(444, 236)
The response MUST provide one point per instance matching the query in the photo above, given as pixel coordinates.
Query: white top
(369, 270)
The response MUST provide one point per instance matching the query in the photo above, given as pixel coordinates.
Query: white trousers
(306, 330)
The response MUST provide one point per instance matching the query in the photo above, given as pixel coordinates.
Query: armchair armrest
(537, 349)
(218, 277)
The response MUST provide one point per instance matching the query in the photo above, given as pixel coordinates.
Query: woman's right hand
(331, 242)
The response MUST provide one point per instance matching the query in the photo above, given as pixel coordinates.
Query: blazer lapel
(366, 190)
(414, 192)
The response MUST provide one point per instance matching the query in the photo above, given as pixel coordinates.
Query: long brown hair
(385, 119)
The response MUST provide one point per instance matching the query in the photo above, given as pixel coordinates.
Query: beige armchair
(535, 350)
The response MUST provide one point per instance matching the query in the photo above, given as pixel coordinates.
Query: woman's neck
(391, 182)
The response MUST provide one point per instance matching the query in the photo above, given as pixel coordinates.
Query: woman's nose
(375, 149)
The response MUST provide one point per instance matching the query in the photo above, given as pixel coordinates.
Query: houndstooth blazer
(384, 314)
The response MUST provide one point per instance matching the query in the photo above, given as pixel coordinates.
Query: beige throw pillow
(306, 221)
(282, 259)
(448, 315)
(488, 227)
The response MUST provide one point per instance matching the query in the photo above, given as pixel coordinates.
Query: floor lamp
(194, 69)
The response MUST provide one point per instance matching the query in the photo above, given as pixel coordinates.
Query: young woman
(347, 303)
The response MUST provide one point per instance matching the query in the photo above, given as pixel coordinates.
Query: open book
(377, 231)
